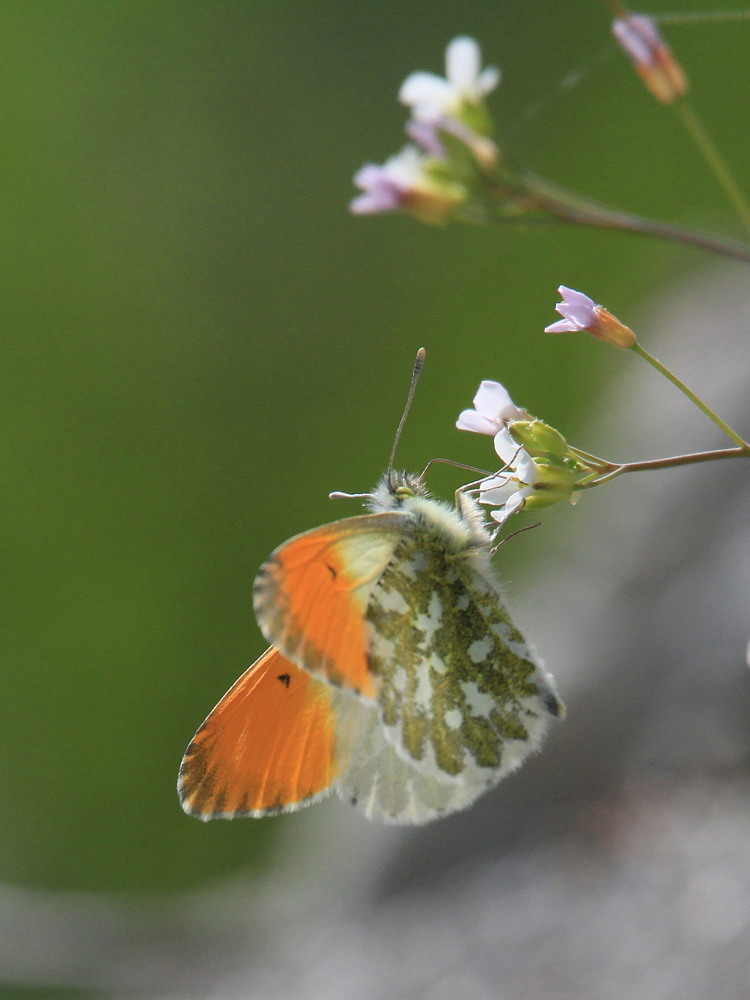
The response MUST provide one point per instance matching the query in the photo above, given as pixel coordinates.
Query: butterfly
(395, 677)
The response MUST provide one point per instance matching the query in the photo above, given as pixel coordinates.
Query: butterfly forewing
(310, 596)
(460, 692)
(268, 746)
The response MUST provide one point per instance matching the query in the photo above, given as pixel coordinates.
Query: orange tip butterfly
(395, 676)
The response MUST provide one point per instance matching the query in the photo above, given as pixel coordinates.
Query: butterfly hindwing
(461, 695)
(311, 594)
(269, 745)
(381, 781)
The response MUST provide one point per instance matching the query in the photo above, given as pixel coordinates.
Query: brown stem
(573, 208)
(666, 463)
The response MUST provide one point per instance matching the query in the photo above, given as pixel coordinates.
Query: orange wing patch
(311, 595)
(267, 747)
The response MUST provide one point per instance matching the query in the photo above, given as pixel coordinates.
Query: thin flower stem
(690, 394)
(697, 17)
(664, 463)
(595, 478)
(715, 160)
(586, 456)
(571, 207)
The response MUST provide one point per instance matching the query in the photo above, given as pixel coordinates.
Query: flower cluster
(539, 468)
(450, 132)
(452, 169)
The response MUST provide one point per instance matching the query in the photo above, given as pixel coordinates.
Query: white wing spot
(423, 694)
(480, 649)
(417, 563)
(463, 602)
(430, 622)
(400, 679)
(479, 704)
(382, 648)
(519, 648)
(437, 663)
(393, 600)
(453, 718)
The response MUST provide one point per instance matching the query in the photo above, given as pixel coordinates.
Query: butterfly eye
(403, 493)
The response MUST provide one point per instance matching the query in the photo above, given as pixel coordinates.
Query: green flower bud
(539, 439)
(552, 484)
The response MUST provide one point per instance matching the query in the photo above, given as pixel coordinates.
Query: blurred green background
(200, 343)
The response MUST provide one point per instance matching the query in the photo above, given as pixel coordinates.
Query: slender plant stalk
(715, 161)
(698, 17)
(662, 463)
(690, 394)
(572, 208)
(588, 457)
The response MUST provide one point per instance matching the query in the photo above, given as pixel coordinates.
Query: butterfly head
(395, 490)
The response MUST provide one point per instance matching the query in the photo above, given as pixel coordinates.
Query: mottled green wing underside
(461, 695)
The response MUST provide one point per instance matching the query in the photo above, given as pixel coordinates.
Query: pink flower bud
(640, 40)
(582, 313)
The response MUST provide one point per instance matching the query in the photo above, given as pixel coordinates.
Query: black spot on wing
(285, 679)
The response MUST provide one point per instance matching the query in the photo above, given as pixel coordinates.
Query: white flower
(497, 491)
(514, 503)
(532, 477)
(386, 185)
(433, 97)
(493, 410)
(525, 482)
(404, 182)
(515, 457)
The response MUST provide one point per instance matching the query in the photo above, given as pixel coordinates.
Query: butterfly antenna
(456, 465)
(518, 531)
(416, 372)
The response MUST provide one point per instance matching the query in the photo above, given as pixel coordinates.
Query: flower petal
(425, 134)
(493, 401)
(515, 457)
(494, 489)
(425, 90)
(577, 307)
(489, 78)
(381, 194)
(574, 297)
(562, 326)
(639, 37)
(506, 448)
(462, 61)
(470, 420)
(511, 505)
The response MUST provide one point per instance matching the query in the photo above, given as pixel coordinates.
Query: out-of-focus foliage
(200, 343)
